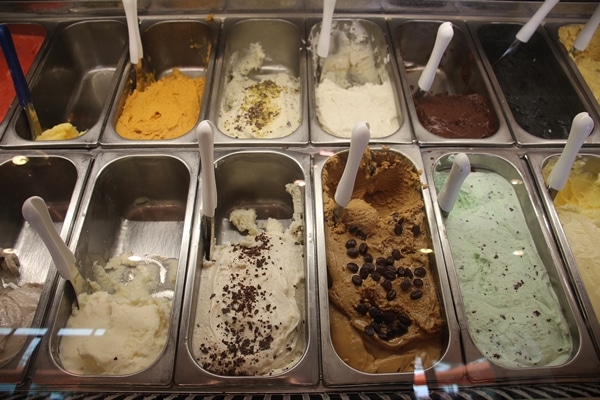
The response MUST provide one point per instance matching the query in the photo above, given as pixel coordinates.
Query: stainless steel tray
(460, 72)
(241, 183)
(74, 83)
(185, 44)
(375, 35)
(583, 361)
(138, 204)
(336, 372)
(537, 160)
(282, 42)
(59, 179)
(561, 92)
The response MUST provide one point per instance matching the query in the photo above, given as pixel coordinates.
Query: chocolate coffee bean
(416, 294)
(420, 272)
(352, 252)
(353, 267)
(363, 248)
(357, 280)
(351, 243)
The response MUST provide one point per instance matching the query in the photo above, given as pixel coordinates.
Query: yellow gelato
(60, 132)
(578, 209)
(164, 109)
(588, 61)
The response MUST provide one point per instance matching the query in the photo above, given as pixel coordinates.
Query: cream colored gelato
(355, 87)
(164, 109)
(384, 310)
(129, 312)
(578, 208)
(513, 313)
(268, 106)
(588, 61)
(62, 131)
(250, 312)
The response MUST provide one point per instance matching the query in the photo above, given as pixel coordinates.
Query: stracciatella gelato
(130, 304)
(258, 106)
(250, 310)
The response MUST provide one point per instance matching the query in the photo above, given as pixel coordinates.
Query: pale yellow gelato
(578, 209)
(588, 61)
(164, 109)
(129, 313)
(62, 131)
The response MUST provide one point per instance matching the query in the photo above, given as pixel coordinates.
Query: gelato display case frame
(320, 373)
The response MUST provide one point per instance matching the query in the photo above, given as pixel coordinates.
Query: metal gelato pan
(573, 224)
(134, 207)
(518, 317)
(58, 179)
(253, 180)
(75, 83)
(460, 76)
(539, 96)
(553, 29)
(30, 41)
(169, 45)
(259, 93)
(358, 79)
(416, 293)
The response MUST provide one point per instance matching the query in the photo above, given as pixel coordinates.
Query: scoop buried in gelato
(354, 84)
(513, 313)
(250, 311)
(165, 109)
(131, 306)
(384, 307)
(258, 104)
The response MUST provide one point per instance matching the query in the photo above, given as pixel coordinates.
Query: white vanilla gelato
(258, 106)
(355, 86)
(250, 313)
(128, 314)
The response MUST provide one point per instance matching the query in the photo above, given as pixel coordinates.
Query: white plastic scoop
(205, 132)
(527, 30)
(442, 40)
(136, 51)
(461, 167)
(358, 143)
(586, 33)
(35, 211)
(324, 35)
(581, 128)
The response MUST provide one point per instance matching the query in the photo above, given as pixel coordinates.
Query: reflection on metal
(420, 384)
(20, 160)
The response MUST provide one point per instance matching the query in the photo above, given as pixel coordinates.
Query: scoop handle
(136, 52)
(442, 39)
(526, 32)
(325, 34)
(580, 129)
(586, 33)
(16, 72)
(461, 167)
(358, 143)
(205, 132)
(35, 211)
